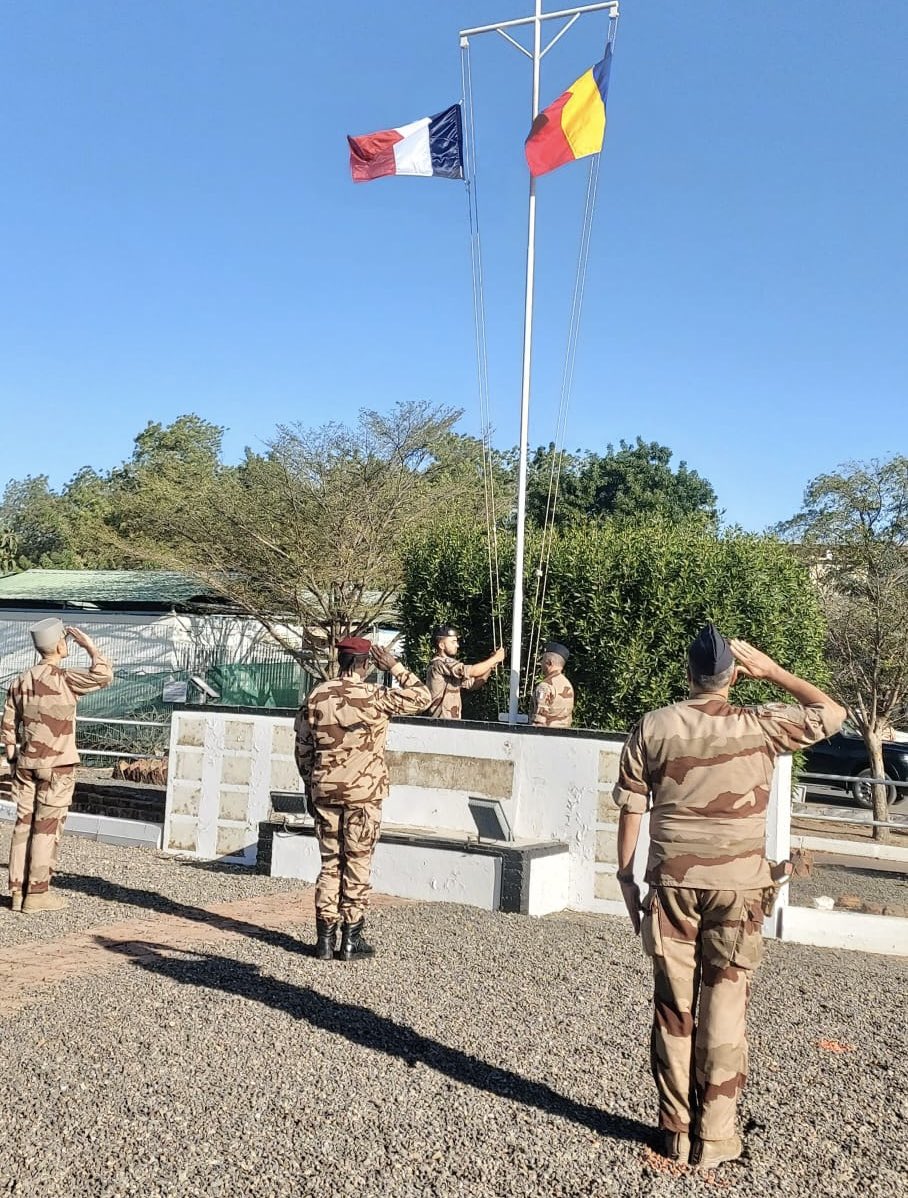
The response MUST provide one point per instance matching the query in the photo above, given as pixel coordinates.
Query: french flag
(430, 146)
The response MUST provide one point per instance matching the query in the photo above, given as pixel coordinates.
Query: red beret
(357, 645)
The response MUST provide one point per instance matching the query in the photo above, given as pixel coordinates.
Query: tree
(34, 515)
(306, 537)
(631, 482)
(86, 525)
(627, 598)
(853, 529)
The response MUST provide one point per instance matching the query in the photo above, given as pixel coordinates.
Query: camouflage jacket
(40, 712)
(340, 736)
(703, 768)
(553, 702)
(446, 678)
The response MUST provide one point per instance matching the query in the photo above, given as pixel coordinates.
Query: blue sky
(180, 232)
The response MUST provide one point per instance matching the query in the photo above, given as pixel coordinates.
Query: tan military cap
(47, 634)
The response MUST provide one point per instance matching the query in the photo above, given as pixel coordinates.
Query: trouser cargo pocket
(650, 929)
(736, 937)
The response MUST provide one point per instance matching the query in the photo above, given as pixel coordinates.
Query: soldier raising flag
(447, 676)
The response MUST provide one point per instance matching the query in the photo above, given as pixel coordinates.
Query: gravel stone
(478, 1054)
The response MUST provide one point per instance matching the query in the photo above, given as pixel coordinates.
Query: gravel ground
(477, 1055)
(888, 887)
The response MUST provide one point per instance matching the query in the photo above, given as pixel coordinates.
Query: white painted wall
(550, 884)
(886, 934)
(221, 774)
(413, 872)
(444, 810)
(556, 788)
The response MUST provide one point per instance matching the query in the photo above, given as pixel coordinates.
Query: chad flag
(574, 126)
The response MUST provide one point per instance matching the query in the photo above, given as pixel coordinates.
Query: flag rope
(482, 358)
(567, 386)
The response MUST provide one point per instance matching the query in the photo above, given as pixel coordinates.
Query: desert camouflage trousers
(347, 837)
(42, 799)
(705, 945)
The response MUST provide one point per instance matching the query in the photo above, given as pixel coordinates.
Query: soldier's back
(340, 703)
(710, 766)
(46, 706)
(349, 734)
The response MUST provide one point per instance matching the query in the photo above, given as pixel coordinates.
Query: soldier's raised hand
(80, 637)
(751, 661)
(383, 658)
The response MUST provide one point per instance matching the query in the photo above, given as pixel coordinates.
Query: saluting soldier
(703, 768)
(553, 698)
(38, 730)
(340, 753)
(447, 676)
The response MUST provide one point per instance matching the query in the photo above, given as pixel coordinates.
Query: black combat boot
(352, 942)
(327, 939)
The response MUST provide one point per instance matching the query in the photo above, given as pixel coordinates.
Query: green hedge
(627, 599)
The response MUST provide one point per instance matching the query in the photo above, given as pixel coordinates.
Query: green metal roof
(124, 588)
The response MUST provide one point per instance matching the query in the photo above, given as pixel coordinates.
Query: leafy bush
(627, 599)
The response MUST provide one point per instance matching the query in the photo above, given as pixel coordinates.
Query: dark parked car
(846, 754)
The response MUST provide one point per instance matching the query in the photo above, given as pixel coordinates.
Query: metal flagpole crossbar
(536, 55)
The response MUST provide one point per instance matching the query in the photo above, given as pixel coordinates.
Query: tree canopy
(853, 531)
(634, 481)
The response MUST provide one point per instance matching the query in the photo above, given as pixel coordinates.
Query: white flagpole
(537, 54)
(517, 617)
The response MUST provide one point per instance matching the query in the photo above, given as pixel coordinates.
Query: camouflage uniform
(553, 702)
(446, 678)
(340, 752)
(40, 713)
(703, 768)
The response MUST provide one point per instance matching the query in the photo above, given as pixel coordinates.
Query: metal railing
(857, 818)
(854, 778)
(154, 752)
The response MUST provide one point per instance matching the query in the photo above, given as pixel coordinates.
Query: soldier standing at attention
(447, 676)
(40, 713)
(553, 699)
(703, 769)
(340, 754)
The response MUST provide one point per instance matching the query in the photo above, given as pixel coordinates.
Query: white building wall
(148, 640)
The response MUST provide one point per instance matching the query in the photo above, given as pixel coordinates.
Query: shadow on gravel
(362, 1026)
(115, 892)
